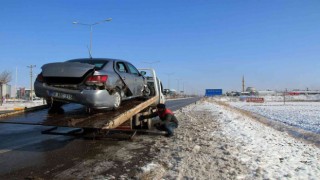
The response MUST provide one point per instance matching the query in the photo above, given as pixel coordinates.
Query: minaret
(242, 83)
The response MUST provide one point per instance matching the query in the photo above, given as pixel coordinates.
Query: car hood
(66, 69)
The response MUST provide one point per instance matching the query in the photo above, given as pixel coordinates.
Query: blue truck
(213, 92)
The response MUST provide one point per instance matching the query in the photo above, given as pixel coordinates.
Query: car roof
(99, 59)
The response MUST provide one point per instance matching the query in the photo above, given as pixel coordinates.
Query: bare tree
(5, 77)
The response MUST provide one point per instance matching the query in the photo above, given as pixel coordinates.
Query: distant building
(251, 91)
(6, 90)
(267, 92)
(303, 92)
(23, 93)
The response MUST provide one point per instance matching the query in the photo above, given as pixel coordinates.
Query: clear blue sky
(206, 44)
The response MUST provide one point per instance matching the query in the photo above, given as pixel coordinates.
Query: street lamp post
(169, 74)
(183, 87)
(150, 63)
(91, 25)
(178, 80)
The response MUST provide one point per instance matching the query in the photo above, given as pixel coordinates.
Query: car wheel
(146, 91)
(152, 90)
(117, 99)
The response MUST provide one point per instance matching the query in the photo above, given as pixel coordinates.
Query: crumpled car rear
(74, 82)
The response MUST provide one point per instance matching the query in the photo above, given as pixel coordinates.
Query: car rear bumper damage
(90, 98)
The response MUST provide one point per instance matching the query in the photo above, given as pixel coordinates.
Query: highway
(25, 152)
(178, 104)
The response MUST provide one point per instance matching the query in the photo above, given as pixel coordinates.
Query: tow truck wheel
(117, 100)
(88, 110)
(147, 123)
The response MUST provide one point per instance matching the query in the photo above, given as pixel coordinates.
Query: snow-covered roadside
(215, 142)
(305, 115)
(10, 105)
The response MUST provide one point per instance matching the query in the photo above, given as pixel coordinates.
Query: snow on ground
(269, 152)
(11, 105)
(305, 115)
(274, 98)
(218, 142)
(270, 98)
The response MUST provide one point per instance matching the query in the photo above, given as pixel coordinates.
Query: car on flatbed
(93, 82)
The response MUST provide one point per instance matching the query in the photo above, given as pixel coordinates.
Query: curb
(23, 110)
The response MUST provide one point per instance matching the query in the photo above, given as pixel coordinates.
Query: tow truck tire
(89, 110)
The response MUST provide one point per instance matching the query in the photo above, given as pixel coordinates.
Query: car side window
(133, 70)
(121, 67)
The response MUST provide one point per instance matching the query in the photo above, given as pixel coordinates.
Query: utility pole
(242, 83)
(183, 87)
(183, 90)
(15, 85)
(31, 75)
(284, 96)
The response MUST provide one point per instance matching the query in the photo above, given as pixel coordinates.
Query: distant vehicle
(169, 92)
(166, 91)
(233, 93)
(95, 83)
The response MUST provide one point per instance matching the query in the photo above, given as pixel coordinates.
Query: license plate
(61, 95)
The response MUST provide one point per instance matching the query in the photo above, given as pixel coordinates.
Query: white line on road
(27, 144)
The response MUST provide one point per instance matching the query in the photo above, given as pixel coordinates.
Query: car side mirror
(143, 73)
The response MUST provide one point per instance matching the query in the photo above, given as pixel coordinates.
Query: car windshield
(99, 64)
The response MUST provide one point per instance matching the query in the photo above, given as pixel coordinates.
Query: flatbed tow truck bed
(101, 120)
(107, 119)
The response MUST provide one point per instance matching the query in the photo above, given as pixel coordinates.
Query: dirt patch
(120, 161)
(198, 151)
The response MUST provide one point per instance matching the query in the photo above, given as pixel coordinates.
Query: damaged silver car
(95, 83)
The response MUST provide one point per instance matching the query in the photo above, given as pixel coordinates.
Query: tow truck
(126, 118)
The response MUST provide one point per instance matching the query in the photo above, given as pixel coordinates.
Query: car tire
(152, 90)
(117, 99)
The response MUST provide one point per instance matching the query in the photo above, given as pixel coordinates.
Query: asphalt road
(178, 104)
(26, 153)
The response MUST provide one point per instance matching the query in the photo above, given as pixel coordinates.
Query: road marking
(179, 99)
(27, 144)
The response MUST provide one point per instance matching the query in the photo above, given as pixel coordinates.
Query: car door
(138, 80)
(125, 75)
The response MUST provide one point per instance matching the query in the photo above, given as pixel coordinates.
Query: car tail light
(40, 78)
(97, 80)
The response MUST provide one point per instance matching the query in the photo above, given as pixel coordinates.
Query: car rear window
(99, 64)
